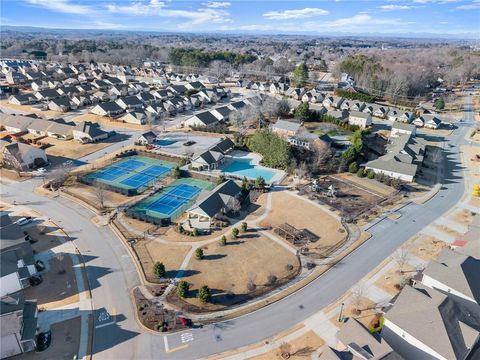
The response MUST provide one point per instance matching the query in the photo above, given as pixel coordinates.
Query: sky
(454, 17)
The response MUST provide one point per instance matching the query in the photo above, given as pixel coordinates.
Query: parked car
(42, 170)
(35, 280)
(43, 340)
(24, 221)
(39, 265)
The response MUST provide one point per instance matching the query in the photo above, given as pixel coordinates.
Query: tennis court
(174, 198)
(130, 176)
(171, 202)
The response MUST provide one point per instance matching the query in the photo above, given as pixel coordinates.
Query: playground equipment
(331, 192)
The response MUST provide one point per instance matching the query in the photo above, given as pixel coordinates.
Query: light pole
(340, 317)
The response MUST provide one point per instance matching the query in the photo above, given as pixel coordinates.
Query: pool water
(164, 142)
(244, 167)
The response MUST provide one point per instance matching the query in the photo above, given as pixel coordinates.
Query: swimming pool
(244, 167)
(164, 142)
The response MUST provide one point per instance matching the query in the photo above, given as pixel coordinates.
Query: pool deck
(255, 159)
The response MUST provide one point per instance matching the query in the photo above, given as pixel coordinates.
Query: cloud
(295, 14)
(394, 7)
(217, 4)
(62, 6)
(473, 6)
(160, 9)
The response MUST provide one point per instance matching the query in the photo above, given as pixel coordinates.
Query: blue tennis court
(146, 176)
(130, 164)
(173, 199)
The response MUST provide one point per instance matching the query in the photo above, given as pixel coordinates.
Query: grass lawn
(427, 247)
(302, 214)
(391, 278)
(299, 348)
(250, 258)
(151, 251)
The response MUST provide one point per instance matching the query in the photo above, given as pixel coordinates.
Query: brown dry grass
(171, 256)
(229, 268)
(427, 247)
(463, 216)
(300, 348)
(72, 149)
(374, 186)
(392, 277)
(303, 214)
(87, 193)
(107, 121)
(473, 167)
(58, 288)
(368, 311)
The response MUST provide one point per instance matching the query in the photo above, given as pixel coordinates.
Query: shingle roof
(447, 326)
(217, 199)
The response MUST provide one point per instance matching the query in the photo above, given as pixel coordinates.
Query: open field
(303, 214)
(251, 258)
(92, 196)
(64, 345)
(351, 198)
(151, 251)
(366, 184)
(427, 247)
(299, 348)
(72, 149)
(59, 286)
(106, 121)
(391, 280)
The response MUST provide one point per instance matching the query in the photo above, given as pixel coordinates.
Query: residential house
(21, 99)
(208, 160)
(222, 113)
(21, 156)
(62, 104)
(203, 119)
(406, 117)
(454, 274)
(39, 85)
(147, 138)
(428, 120)
(380, 111)
(313, 96)
(285, 128)
(197, 85)
(217, 202)
(404, 157)
(19, 325)
(425, 323)
(400, 128)
(360, 119)
(86, 132)
(334, 102)
(17, 266)
(135, 117)
(129, 102)
(107, 109)
(339, 115)
(357, 342)
(295, 93)
(278, 88)
(15, 123)
(356, 106)
(47, 94)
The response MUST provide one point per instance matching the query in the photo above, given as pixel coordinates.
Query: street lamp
(340, 317)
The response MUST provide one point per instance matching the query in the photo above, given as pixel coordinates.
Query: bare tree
(357, 295)
(285, 350)
(99, 192)
(234, 205)
(401, 257)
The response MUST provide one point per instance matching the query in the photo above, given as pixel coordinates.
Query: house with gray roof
(404, 157)
(454, 274)
(19, 319)
(357, 341)
(86, 132)
(17, 266)
(401, 128)
(285, 128)
(202, 119)
(21, 156)
(107, 109)
(425, 323)
(360, 119)
(21, 99)
(15, 123)
(218, 201)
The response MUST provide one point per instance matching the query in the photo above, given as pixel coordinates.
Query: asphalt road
(111, 273)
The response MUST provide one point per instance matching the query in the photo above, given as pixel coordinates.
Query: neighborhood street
(112, 274)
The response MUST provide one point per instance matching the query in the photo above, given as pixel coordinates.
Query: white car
(42, 170)
(23, 221)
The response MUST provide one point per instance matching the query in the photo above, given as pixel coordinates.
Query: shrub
(361, 173)
(182, 289)
(223, 240)
(353, 167)
(275, 150)
(244, 226)
(289, 267)
(371, 174)
(159, 269)
(204, 294)
(199, 254)
(260, 182)
(251, 285)
(303, 112)
(272, 279)
(221, 179)
(235, 233)
(176, 172)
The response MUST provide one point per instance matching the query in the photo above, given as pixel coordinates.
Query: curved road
(112, 274)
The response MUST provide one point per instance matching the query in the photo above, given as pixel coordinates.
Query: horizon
(434, 19)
